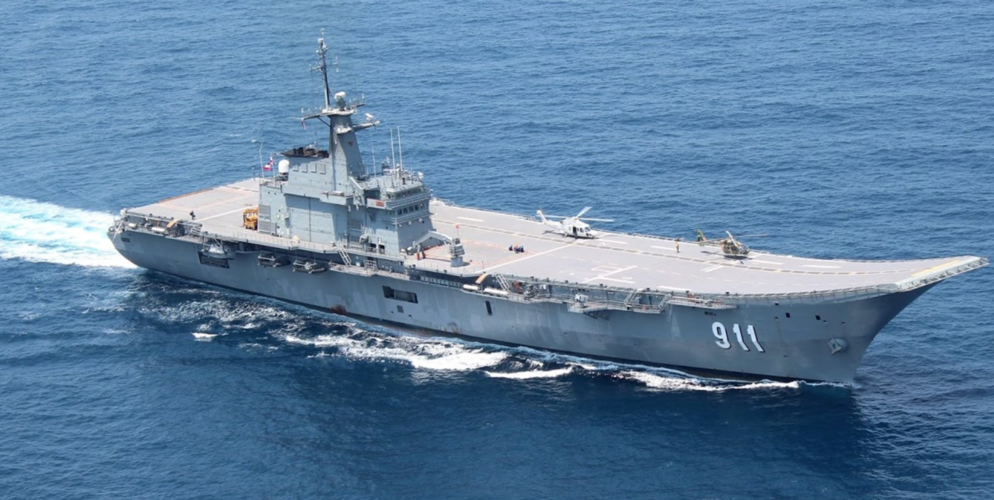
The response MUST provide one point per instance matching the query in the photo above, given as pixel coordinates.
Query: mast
(400, 146)
(337, 116)
(323, 67)
(393, 164)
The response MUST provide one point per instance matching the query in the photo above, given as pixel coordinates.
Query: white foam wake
(420, 353)
(532, 374)
(43, 232)
(671, 383)
(445, 355)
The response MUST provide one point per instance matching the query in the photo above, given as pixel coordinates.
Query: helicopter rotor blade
(599, 220)
(585, 209)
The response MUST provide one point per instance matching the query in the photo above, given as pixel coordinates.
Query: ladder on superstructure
(194, 229)
(345, 256)
(630, 300)
(502, 281)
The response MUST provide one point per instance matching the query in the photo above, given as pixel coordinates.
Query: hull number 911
(721, 334)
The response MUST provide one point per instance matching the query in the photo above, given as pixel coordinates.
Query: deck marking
(664, 248)
(619, 280)
(221, 214)
(613, 241)
(606, 269)
(605, 275)
(670, 287)
(820, 267)
(470, 219)
(936, 268)
(221, 201)
(713, 268)
(491, 268)
(767, 262)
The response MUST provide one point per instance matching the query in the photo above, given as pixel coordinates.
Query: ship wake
(434, 354)
(214, 316)
(42, 232)
(420, 353)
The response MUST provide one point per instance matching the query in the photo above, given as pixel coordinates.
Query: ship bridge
(328, 196)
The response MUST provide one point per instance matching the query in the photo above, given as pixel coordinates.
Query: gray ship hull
(326, 230)
(811, 340)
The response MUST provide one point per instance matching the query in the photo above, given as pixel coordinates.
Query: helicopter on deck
(730, 247)
(571, 226)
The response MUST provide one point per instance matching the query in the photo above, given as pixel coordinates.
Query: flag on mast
(269, 166)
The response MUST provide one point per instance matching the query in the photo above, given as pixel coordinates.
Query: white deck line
(627, 282)
(532, 256)
(221, 214)
(605, 275)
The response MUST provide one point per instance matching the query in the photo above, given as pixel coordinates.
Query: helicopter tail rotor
(701, 239)
(541, 216)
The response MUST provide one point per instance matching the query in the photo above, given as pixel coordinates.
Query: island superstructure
(328, 231)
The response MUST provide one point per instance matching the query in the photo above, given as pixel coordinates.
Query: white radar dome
(283, 166)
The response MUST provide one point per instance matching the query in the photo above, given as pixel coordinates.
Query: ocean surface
(842, 129)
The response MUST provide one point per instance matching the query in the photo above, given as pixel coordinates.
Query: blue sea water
(841, 129)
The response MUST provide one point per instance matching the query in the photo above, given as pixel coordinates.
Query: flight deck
(610, 260)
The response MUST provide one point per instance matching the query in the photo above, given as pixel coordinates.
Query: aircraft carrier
(318, 227)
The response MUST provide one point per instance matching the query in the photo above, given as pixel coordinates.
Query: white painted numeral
(719, 332)
(755, 341)
(722, 335)
(738, 336)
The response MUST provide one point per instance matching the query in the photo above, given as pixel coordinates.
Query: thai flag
(269, 166)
